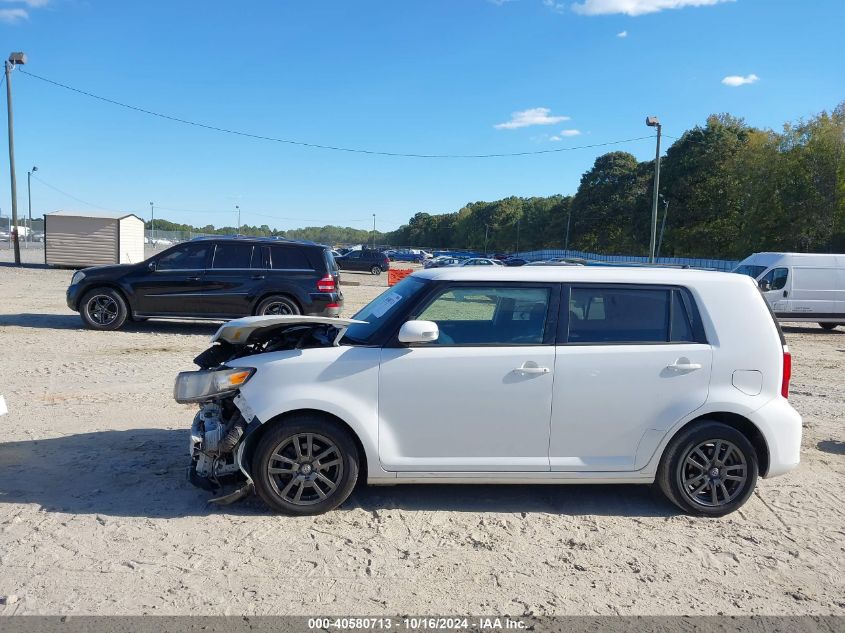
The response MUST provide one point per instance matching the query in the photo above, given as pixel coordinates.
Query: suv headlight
(77, 277)
(197, 386)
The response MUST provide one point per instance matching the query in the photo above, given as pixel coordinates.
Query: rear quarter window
(289, 258)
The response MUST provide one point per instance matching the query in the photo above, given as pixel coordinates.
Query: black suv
(370, 261)
(211, 278)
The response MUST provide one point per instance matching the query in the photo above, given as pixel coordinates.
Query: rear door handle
(531, 367)
(258, 276)
(683, 364)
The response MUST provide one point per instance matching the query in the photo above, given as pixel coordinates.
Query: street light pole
(486, 233)
(568, 219)
(238, 207)
(29, 199)
(14, 58)
(653, 121)
(662, 224)
(518, 220)
(374, 231)
(152, 225)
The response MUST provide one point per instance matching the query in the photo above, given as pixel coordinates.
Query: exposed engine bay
(224, 422)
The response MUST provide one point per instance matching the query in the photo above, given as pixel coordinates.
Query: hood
(107, 268)
(239, 331)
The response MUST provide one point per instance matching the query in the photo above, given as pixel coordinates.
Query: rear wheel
(828, 326)
(103, 309)
(277, 305)
(708, 469)
(306, 465)
(375, 270)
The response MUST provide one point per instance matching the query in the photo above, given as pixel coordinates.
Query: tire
(828, 326)
(103, 309)
(279, 489)
(277, 305)
(697, 445)
(375, 270)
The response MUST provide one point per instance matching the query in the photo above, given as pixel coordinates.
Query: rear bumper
(325, 304)
(780, 425)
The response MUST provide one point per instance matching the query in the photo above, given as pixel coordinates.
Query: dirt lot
(96, 516)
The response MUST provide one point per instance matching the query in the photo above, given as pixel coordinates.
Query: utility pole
(662, 224)
(14, 58)
(29, 199)
(152, 225)
(238, 207)
(374, 231)
(568, 219)
(486, 233)
(653, 121)
(518, 220)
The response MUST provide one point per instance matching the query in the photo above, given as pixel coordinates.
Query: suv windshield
(382, 309)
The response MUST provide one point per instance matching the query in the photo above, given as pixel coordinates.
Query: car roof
(254, 238)
(577, 274)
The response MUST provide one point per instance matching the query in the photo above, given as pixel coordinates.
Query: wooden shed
(78, 239)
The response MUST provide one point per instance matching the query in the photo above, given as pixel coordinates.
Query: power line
(335, 148)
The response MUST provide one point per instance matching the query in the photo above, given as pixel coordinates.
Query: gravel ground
(96, 516)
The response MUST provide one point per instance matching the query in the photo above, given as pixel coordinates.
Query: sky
(401, 76)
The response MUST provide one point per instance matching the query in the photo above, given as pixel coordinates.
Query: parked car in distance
(480, 261)
(557, 261)
(409, 255)
(440, 262)
(210, 278)
(659, 380)
(514, 261)
(373, 262)
(802, 287)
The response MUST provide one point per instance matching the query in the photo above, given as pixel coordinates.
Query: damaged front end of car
(225, 420)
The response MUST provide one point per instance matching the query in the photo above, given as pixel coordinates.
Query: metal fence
(724, 265)
(164, 239)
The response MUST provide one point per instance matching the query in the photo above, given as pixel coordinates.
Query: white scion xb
(503, 375)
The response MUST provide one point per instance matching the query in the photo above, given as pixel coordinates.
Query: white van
(800, 286)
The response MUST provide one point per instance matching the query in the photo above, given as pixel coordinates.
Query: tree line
(727, 189)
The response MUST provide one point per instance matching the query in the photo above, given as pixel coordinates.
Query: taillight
(326, 284)
(787, 372)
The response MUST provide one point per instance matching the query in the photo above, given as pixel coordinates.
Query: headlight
(77, 277)
(197, 386)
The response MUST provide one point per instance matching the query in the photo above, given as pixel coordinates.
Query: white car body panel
(605, 412)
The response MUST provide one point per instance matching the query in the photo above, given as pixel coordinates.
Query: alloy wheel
(713, 473)
(278, 308)
(102, 309)
(305, 468)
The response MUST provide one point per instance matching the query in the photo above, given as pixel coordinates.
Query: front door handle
(785, 293)
(682, 364)
(530, 367)
(194, 278)
(256, 277)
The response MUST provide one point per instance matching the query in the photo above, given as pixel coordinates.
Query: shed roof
(113, 215)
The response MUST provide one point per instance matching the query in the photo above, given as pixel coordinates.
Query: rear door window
(289, 258)
(622, 315)
(232, 255)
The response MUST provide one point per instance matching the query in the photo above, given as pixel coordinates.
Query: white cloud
(532, 116)
(622, 34)
(18, 13)
(557, 7)
(636, 7)
(565, 134)
(738, 80)
(13, 16)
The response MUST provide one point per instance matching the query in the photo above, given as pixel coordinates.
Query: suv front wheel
(708, 469)
(103, 309)
(305, 465)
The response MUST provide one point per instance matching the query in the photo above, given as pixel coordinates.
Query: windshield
(382, 309)
(748, 269)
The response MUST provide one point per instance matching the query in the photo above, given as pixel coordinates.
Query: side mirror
(418, 332)
(152, 265)
(765, 286)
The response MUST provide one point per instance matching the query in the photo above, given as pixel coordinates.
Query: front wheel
(305, 465)
(375, 270)
(708, 469)
(277, 305)
(103, 309)
(828, 326)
